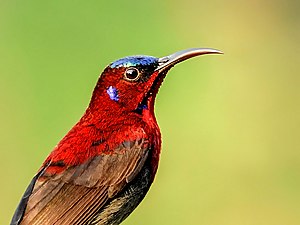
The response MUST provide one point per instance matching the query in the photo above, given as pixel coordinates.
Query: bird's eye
(131, 74)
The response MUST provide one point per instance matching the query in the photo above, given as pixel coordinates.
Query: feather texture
(76, 195)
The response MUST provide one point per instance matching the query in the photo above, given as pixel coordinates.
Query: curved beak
(169, 61)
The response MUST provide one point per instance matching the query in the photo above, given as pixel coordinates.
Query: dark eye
(131, 74)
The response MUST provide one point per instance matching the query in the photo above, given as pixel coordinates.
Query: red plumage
(101, 170)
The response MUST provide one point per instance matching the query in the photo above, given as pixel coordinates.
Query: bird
(103, 167)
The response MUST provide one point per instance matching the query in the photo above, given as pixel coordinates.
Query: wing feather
(77, 194)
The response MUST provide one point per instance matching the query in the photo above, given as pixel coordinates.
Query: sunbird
(104, 166)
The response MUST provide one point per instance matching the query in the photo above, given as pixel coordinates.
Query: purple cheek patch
(113, 93)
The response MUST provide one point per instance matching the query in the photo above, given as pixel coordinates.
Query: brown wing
(76, 195)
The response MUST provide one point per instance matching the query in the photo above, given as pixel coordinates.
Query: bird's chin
(148, 101)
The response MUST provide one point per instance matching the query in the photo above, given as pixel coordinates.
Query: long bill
(171, 60)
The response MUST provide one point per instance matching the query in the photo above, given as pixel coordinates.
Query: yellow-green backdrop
(230, 124)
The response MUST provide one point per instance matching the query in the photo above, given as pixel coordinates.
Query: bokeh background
(230, 123)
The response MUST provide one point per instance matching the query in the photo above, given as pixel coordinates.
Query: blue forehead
(140, 60)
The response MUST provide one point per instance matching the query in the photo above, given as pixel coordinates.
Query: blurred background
(230, 123)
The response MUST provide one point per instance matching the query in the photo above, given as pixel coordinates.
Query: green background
(230, 123)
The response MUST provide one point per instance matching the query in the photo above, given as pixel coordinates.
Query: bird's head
(130, 84)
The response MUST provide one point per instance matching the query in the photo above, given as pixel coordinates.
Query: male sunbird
(102, 169)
